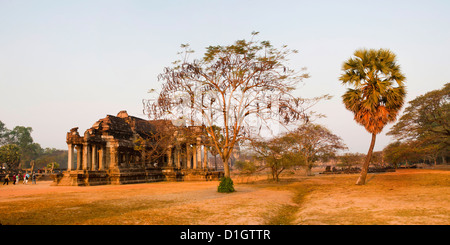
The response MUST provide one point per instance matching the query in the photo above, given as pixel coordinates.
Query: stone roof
(121, 127)
(124, 126)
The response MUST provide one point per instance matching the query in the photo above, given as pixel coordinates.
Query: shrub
(226, 185)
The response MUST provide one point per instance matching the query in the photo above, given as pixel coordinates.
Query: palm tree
(377, 95)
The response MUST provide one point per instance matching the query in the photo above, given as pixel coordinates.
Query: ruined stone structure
(107, 153)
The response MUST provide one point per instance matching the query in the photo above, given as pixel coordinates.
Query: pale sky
(66, 64)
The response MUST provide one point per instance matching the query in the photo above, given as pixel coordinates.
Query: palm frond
(378, 92)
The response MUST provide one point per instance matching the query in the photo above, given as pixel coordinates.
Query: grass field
(408, 196)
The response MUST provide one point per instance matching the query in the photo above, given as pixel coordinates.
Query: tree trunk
(362, 177)
(273, 172)
(309, 170)
(226, 168)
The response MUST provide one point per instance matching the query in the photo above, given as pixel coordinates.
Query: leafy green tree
(49, 155)
(4, 133)
(377, 95)
(430, 152)
(398, 153)
(314, 142)
(426, 122)
(247, 168)
(21, 136)
(29, 151)
(277, 155)
(52, 165)
(426, 115)
(348, 160)
(10, 154)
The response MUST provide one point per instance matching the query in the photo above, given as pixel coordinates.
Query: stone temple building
(115, 150)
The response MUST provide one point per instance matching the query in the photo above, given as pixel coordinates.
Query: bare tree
(242, 88)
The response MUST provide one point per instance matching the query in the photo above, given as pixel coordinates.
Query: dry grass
(403, 197)
(407, 197)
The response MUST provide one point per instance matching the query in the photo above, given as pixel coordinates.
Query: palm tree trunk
(362, 177)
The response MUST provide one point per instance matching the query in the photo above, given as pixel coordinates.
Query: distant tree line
(18, 150)
(423, 132)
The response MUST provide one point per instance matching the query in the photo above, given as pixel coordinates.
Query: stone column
(181, 156)
(94, 158)
(199, 153)
(113, 158)
(205, 157)
(194, 153)
(188, 156)
(101, 158)
(86, 156)
(127, 159)
(79, 149)
(119, 158)
(169, 156)
(70, 158)
(142, 157)
(177, 156)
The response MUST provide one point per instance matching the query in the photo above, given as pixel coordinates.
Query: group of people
(16, 177)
